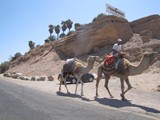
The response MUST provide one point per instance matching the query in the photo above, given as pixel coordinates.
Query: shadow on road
(118, 104)
(72, 96)
(111, 102)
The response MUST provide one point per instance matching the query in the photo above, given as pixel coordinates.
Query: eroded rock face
(151, 23)
(146, 35)
(100, 33)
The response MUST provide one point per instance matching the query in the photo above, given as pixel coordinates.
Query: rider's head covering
(119, 40)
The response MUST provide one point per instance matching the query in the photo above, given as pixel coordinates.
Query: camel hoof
(123, 98)
(97, 95)
(112, 96)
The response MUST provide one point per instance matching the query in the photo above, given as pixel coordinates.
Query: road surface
(22, 103)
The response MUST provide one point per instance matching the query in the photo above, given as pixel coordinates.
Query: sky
(25, 20)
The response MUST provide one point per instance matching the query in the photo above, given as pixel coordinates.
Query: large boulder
(151, 23)
(99, 33)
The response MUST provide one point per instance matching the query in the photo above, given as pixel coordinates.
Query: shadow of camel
(118, 104)
(72, 96)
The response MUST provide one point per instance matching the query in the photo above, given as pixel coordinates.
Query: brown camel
(76, 68)
(125, 69)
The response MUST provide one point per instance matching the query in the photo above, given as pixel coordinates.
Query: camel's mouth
(98, 59)
(154, 57)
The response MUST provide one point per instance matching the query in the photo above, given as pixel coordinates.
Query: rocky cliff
(104, 31)
(151, 23)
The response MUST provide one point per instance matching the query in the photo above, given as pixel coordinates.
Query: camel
(76, 68)
(125, 69)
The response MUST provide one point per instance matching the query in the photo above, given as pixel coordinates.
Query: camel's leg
(65, 83)
(76, 85)
(106, 85)
(81, 88)
(60, 85)
(99, 76)
(128, 84)
(97, 83)
(60, 78)
(79, 80)
(122, 88)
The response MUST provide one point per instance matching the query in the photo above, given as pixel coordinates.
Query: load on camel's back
(69, 65)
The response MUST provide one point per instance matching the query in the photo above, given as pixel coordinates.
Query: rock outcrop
(100, 33)
(151, 23)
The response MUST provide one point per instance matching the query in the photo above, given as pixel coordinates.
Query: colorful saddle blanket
(109, 59)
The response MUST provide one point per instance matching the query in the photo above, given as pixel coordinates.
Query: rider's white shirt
(117, 47)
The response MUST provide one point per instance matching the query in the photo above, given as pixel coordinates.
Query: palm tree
(51, 27)
(57, 30)
(64, 26)
(69, 24)
(31, 44)
(77, 26)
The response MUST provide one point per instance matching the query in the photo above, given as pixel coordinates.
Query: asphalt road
(22, 103)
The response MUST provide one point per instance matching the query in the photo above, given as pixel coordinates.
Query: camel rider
(117, 49)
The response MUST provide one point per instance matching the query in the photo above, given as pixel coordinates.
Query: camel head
(152, 56)
(92, 59)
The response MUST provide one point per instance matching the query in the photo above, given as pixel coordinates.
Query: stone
(41, 78)
(151, 23)
(50, 78)
(33, 78)
(6, 74)
(14, 75)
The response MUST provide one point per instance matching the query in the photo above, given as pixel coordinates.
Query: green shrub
(17, 55)
(4, 66)
(70, 32)
(100, 16)
(31, 45)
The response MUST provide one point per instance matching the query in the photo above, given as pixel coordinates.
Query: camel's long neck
(89, 67)
(143, 65)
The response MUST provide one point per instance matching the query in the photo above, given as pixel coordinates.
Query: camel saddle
(110, 62)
